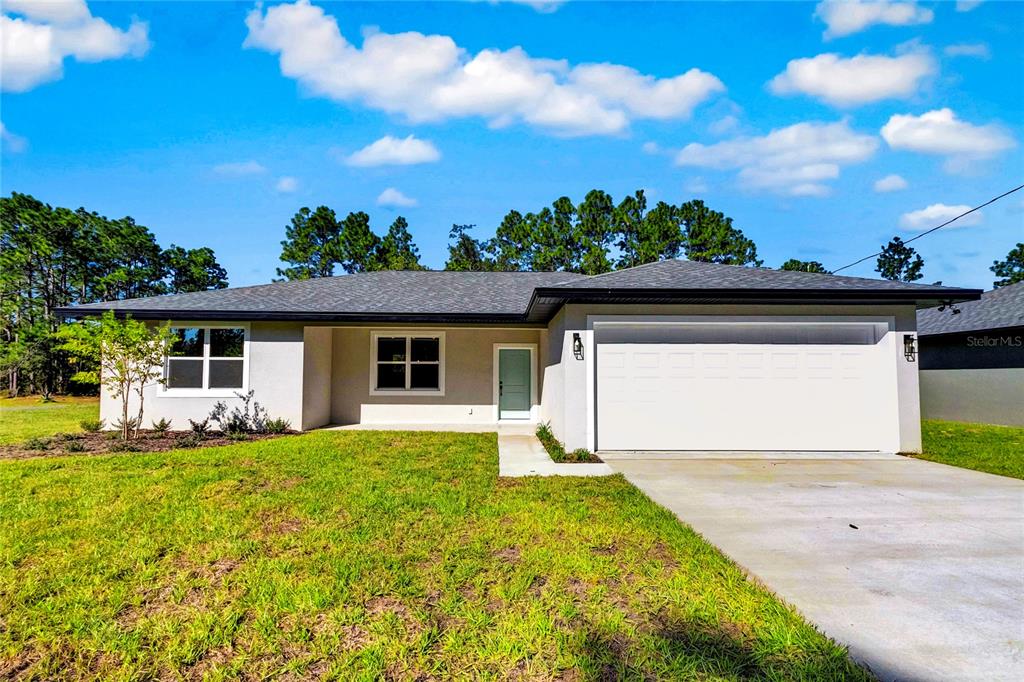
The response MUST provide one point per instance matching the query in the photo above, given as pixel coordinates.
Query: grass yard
(993, 449)
(366, 555)
(24, 418)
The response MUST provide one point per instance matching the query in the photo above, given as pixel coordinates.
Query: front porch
(422, 378)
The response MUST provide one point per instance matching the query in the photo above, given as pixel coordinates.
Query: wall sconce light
(577, 346)
(910, 348)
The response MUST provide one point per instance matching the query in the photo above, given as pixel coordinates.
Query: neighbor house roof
(997, 309)
(512, 296)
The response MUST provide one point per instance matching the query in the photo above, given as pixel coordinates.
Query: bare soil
(109, 442)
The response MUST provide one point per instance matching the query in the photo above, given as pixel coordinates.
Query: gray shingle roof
(684, 274)
(379, 293)
(501, 295)
(997, 309)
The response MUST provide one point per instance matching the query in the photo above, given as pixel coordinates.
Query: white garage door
(749, 386)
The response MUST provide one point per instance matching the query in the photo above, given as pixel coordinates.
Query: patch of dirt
(158, 600)
(271, 524)
(353, 637)
(379, 606)
(508, 554)
(148, 441)
(605, 550)
(662, 553)
(16, 667)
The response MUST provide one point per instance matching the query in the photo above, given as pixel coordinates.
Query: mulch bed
(108, 442)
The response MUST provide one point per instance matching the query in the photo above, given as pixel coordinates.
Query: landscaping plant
(128, 356)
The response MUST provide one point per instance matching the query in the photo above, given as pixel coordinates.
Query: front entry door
(513, 383)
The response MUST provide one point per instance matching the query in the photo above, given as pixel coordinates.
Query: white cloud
(890, 183)
(940, 132)
(724, 125)
(542, 6)
(857, 80)
(843, 17)
(393, 198)
(651, 148)
(430, 78)
(936, 214)
(15, 144)
(979, 50)
(287, 184)
(394, 151)
(696, 186)
(33, 46)
(966, 5)
(797, 160)
(239, 169)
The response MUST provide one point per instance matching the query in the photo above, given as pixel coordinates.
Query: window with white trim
(412, 362)
(204, 358)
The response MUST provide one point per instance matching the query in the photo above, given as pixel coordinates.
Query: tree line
(53, 256)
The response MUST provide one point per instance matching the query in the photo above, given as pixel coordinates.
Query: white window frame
(408, 335)
(209, 392)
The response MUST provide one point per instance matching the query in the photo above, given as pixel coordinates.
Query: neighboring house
(972, 362)
(674, 355)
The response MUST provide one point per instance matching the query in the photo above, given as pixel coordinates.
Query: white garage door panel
(743, 397)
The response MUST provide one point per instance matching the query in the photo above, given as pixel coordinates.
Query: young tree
(396, 250)
(899, 262)
(193, 270)
(466, 253)
(711, 238)
(1011, 270)
(803, 266)
(129, 355)
(312, 244)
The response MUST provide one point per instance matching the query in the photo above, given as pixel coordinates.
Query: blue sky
(212, 123)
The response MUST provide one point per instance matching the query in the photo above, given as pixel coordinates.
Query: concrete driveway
(917, 567)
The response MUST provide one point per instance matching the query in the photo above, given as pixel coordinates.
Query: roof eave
(285, 316)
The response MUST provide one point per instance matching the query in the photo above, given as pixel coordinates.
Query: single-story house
(674, 355)
(972, 362)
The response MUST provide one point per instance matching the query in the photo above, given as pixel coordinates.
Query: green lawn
(368, 555)
(24, 418)
(993, 449)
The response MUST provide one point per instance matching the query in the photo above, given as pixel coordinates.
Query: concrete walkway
(525, 456)
(917, 567)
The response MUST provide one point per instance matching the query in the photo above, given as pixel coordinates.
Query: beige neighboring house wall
(275, 368)
(468, 386)
(985, 396)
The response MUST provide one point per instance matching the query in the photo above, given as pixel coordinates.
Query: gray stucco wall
(565, 399)
(316, 376)
(984, 396)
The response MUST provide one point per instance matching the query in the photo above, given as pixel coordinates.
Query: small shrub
(125, 446)
(278, 425)
(64, 437)
(200, 429)
(162, 426)
(251, 417)
(91, 425)
(581, 455)
(128, 428)
(36, 444)
(112, 435)
(237, 435)
(192, 440)
(550, 443)
(74, 446)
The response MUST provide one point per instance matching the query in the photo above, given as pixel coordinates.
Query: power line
(937, 227)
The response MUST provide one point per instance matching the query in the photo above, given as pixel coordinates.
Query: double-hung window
(206, 359)
(410, 362)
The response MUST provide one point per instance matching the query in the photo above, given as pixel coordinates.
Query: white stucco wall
(569, 413)
(275, 374)
(984, 396)
(469, 378)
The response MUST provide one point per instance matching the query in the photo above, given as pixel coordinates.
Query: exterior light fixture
(577, 346)
(910, 348)
(952, 308)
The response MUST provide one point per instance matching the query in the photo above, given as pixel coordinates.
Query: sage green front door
(513, 383)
